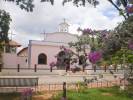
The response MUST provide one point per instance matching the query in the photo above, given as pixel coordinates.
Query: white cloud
(46, 17)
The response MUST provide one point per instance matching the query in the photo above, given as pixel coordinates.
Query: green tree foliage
(120, 5)
(117, 57)
(116, 48)
(111, 45)
(118, 38)
(24, 4)
(27, 5)
(4, 28)
(124, 31)
(4, 25)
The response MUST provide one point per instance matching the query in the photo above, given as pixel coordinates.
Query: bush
(81, 87)
(76, 69)
(129, 90)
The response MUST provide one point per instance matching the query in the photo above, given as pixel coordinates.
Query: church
(39, 53)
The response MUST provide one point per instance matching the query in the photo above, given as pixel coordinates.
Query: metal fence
(35, 69)
(69, 86)
(75, 86)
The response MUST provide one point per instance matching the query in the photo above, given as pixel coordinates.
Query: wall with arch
(49, 51)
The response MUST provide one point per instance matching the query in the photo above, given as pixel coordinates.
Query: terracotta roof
(11, 43)
(22, 50)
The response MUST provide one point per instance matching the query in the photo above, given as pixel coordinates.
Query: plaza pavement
(56, 79)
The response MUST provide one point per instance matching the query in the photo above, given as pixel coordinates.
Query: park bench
(15, 83)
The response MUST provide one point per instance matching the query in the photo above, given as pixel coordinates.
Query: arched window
(42, 59)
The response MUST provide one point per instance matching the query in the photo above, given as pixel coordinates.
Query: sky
(29, 25)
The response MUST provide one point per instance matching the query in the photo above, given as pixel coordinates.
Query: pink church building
(40, 53)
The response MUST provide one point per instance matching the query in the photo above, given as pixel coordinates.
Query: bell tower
(64, 26)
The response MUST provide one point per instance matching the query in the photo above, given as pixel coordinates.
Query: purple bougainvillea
(130, 45)
(104, 34)
(62, 47)
(94, 56)
(52, 64)
(129, 9)
(66, 50)
(63, 98)
(27, 94)
(87, 31)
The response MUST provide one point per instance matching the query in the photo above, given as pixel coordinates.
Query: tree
(23, 4)
(27, 5)
(125, 10)
(119, 46)
(124, 31)
(4, 28)
(63, 57)
(4, 25)
(87, 47)
(118, 59)
(79, 55)
(117, 39)
(81, 47)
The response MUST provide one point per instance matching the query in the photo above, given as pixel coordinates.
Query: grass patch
(9, 96)
(17, 96)
(96, 94)
(88, 94)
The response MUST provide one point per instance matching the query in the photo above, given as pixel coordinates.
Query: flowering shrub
(63, 98)
(62, 47)
(130, 45)
(75, 69)
(104, 34)
(87, 31)
(52, 64)
(26, 94)
(129, 9)
(63, 58)
(65, 49)
(94, 56)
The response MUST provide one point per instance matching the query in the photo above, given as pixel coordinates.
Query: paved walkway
(71, 79)
(48, 79)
